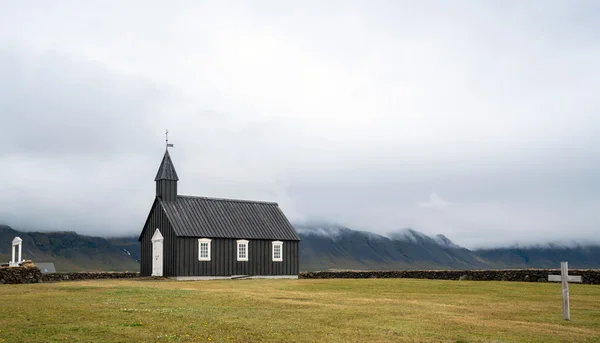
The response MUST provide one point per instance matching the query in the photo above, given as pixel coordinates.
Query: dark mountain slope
(129, 245)
(322, 247)
(548, 256)
(342, 248)
(68, 251)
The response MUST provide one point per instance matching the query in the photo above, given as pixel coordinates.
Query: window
(204, 249)
(277, 251)
(242, 250)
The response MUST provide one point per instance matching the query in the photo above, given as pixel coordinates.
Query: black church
(194, 238)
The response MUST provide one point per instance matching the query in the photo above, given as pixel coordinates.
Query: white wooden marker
(564, 278)
(17, 244)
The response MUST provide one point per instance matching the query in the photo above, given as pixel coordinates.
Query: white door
(157, 254)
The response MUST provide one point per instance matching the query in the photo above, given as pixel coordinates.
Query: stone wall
(50, 277)
(28, 274)
(589, 276)
(12, 275)
(32, 274)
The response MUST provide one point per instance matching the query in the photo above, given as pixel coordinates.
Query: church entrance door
(157, 254)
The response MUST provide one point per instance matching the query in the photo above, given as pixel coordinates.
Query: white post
(17, 241)
(564, 277)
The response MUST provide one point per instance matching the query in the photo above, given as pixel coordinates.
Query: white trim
(199, 278)
(239, 243)
(157, 236)
(233, 277)
(273, 277)
(280, 245)
(207, 241)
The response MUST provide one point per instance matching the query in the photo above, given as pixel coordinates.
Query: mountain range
(70, 251)
(322, 247)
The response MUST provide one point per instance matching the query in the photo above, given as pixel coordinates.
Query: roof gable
(152, 209)
(193, 216)
(166, 171)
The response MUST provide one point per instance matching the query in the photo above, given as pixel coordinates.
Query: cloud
(74, 135)
(434, 202)
(58, 104)
(345, 112)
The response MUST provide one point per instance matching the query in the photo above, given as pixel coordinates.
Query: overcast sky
(476, 119)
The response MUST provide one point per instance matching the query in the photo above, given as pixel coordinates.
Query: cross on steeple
(166, 177)
(167, 140)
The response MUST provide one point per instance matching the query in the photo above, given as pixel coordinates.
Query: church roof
(166, 171)
(193, 216)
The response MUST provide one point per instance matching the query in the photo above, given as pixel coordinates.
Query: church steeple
(166, 177)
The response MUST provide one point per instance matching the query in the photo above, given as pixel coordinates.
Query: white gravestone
(17, 242)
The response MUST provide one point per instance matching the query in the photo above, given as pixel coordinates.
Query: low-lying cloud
(475, 120)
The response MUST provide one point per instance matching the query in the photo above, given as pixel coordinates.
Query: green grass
(369, 310)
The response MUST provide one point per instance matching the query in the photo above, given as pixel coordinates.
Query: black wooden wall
(157, 219)
(224, 258)
(166, 190)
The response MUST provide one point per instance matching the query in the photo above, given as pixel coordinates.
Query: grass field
(368, 310)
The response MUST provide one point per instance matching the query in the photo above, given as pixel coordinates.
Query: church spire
(166, 177)
(166, 171)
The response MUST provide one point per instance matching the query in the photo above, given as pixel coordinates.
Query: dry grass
(370, 310)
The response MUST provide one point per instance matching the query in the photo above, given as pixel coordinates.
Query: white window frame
(200, 241)
(239, 243)
(280, 245)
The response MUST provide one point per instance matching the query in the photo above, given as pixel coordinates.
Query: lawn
(337, 310)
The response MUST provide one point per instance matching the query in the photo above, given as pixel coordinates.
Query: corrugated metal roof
(166, 171)
(228, 218)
